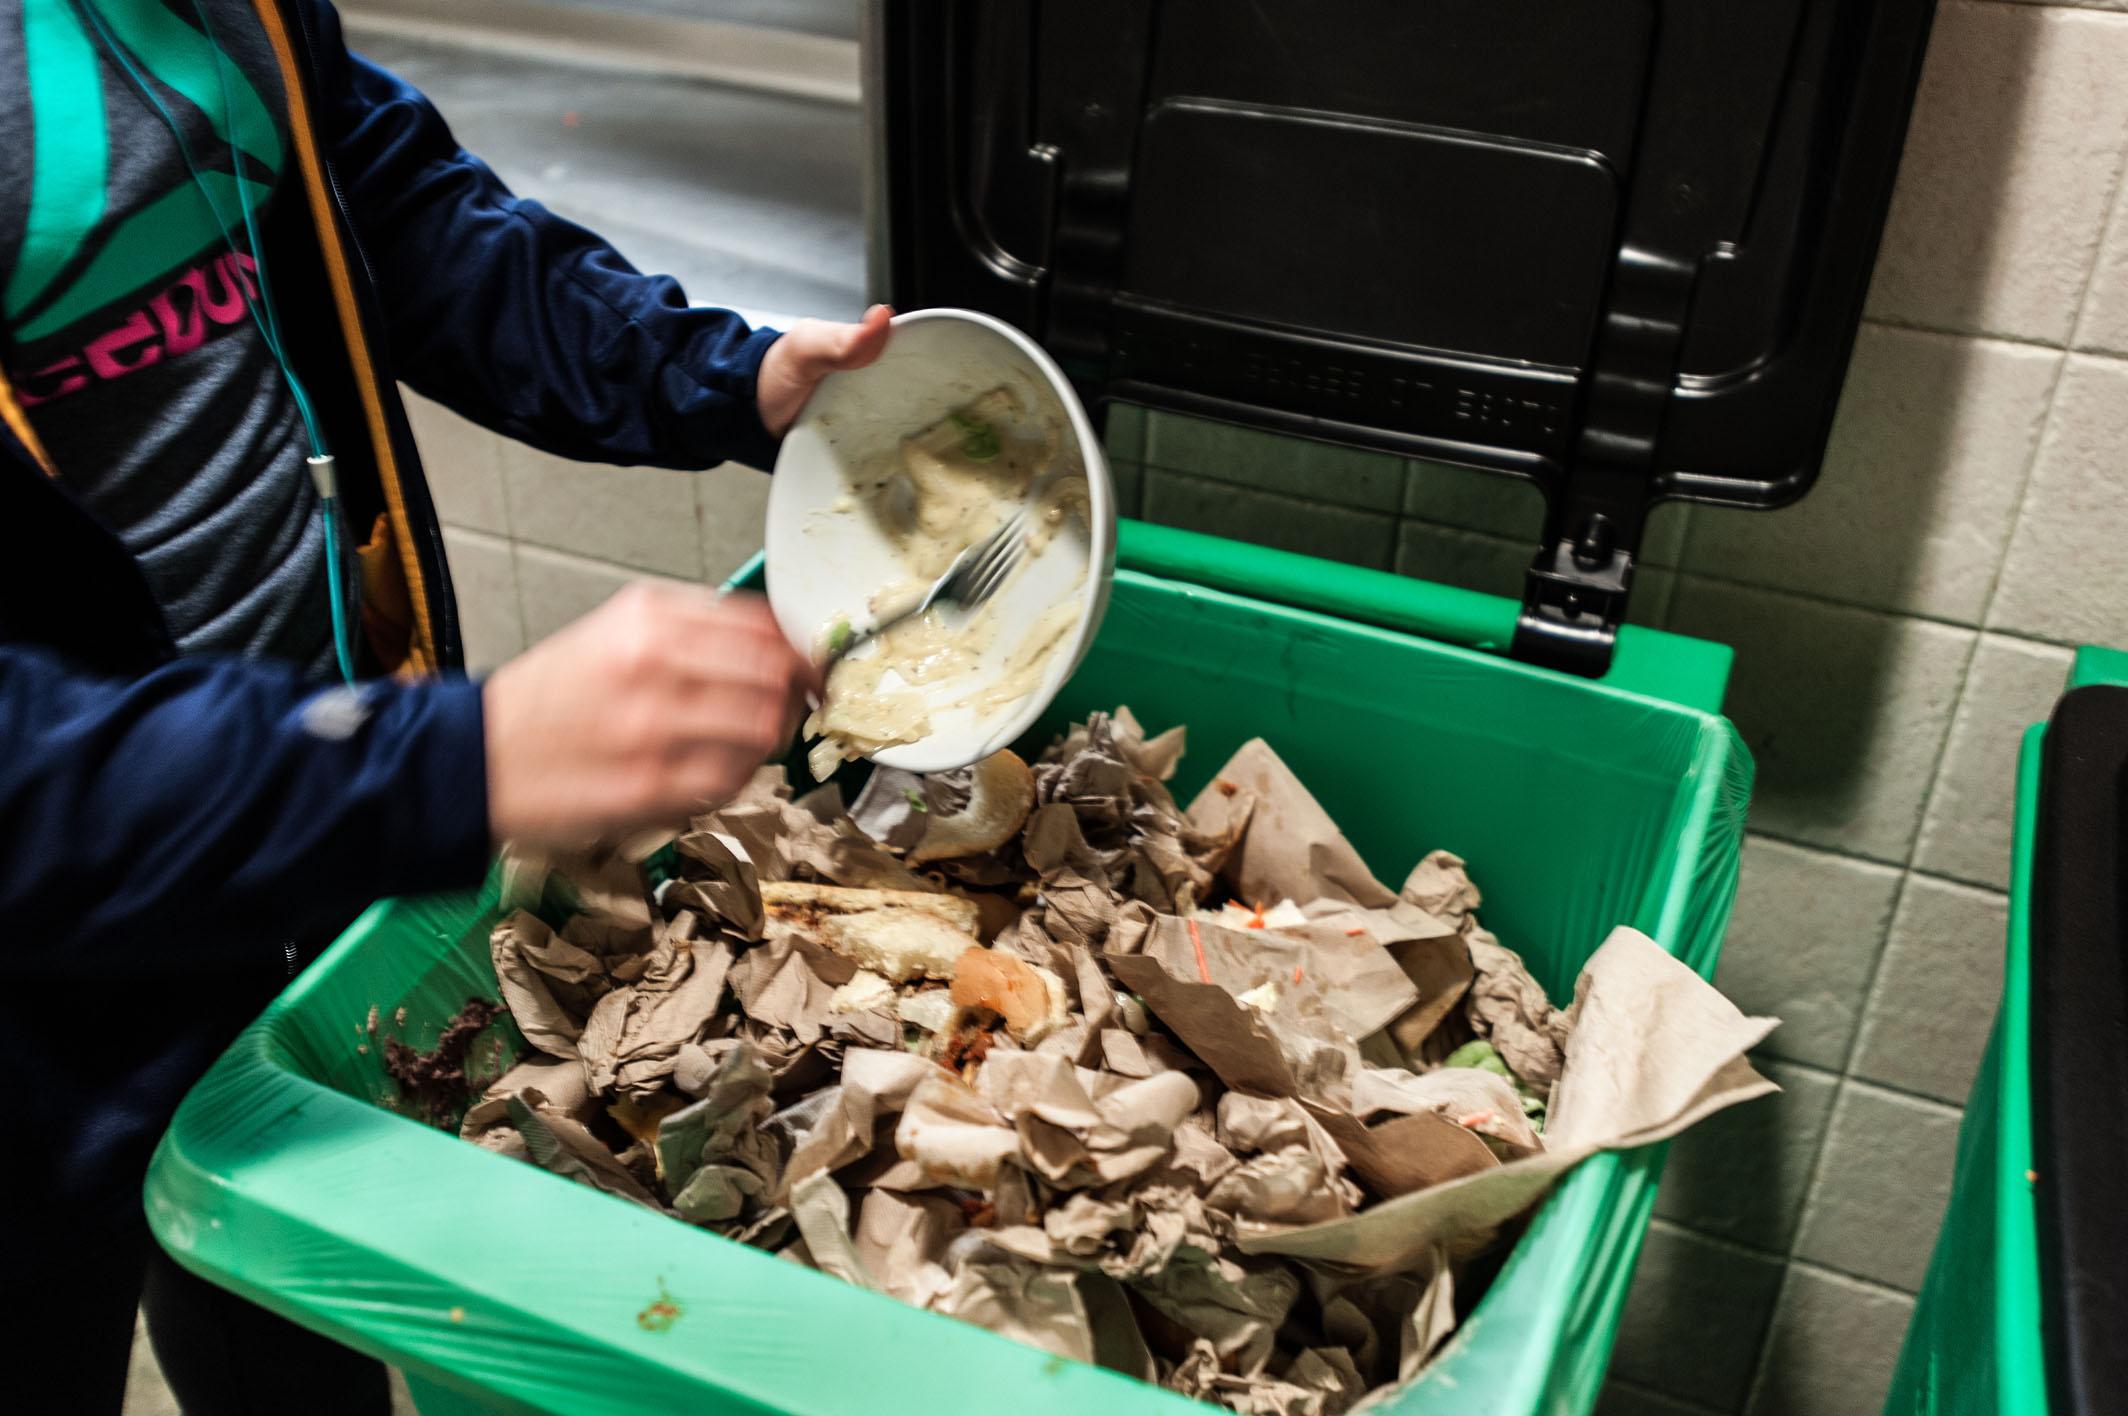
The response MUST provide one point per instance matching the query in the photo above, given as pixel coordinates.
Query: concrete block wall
(1894, 633)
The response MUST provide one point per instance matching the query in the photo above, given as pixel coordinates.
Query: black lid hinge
(1573, 599)
(1574, 594)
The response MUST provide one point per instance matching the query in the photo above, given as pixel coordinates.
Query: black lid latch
(1574, 597)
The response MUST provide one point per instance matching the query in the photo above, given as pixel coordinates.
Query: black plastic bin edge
(2080, 1038)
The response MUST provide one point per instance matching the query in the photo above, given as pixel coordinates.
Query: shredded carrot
(1296, 974)
(1204, 967)
(1476, 1119)
(1355, 931)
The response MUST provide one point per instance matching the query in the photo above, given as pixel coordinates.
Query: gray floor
(750, 199)
(837, 19)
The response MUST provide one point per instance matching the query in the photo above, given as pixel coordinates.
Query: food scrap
(956, 482)
(1126, 1079)
(435, 1082)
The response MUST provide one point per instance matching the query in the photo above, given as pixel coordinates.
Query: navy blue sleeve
(516, 318)
(214, 808)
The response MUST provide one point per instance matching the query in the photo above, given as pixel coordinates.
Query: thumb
(860, 344)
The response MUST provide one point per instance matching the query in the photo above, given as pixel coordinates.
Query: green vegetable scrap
(839, 636)
(916, 800)
(978, 439)
(1481, 1055)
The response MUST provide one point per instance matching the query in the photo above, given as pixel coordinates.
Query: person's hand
(807, 353)
(658, 704)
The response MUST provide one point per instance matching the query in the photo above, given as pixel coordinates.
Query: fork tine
(998, 570)
(999, 549)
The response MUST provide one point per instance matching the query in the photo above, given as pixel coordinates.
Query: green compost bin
(497, 1286)
(1977, 1343)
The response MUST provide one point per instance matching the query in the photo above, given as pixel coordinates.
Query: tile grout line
(1738, 1249)
(1819, 847)
(1906, 877)
(1906, 1094)
(604, 563)
(2046, 422)
(2026, 341)
(1845, 1073)
(1762, 1365)
(1214, 479)
(1700, 1408)
(2105, 230)
(517, 602)
(1817, 1266)
(459, 528)
(1838, 853)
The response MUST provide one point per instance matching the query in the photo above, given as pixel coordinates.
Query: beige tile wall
(1894, 633)
(535, 541)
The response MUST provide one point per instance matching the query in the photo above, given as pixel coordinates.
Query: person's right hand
(658, 704)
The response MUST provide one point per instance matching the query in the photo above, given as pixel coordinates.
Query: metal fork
(973, 577)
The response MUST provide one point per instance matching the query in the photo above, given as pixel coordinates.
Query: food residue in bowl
(954, 483)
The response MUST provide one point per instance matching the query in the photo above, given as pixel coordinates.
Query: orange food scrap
(1226, 788)
(1296, 975)
(1355, 931)
(1204, 967)
(1006, 985)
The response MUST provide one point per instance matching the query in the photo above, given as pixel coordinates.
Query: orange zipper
(19, 423)
(421, 655)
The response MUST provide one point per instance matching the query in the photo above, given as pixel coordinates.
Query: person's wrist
(507, 816)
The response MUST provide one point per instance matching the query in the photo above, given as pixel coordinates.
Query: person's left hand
(807, 353)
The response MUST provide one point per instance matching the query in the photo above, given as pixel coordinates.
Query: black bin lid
(1617, 249)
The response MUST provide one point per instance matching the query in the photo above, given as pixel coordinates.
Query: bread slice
(901, 935)
(1000, 796)
(1029, 998)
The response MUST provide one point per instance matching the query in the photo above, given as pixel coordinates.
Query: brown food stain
(660, 1313)
(435, 1082)
(966, 1048)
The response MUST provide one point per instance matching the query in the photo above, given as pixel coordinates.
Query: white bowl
(826, 557)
